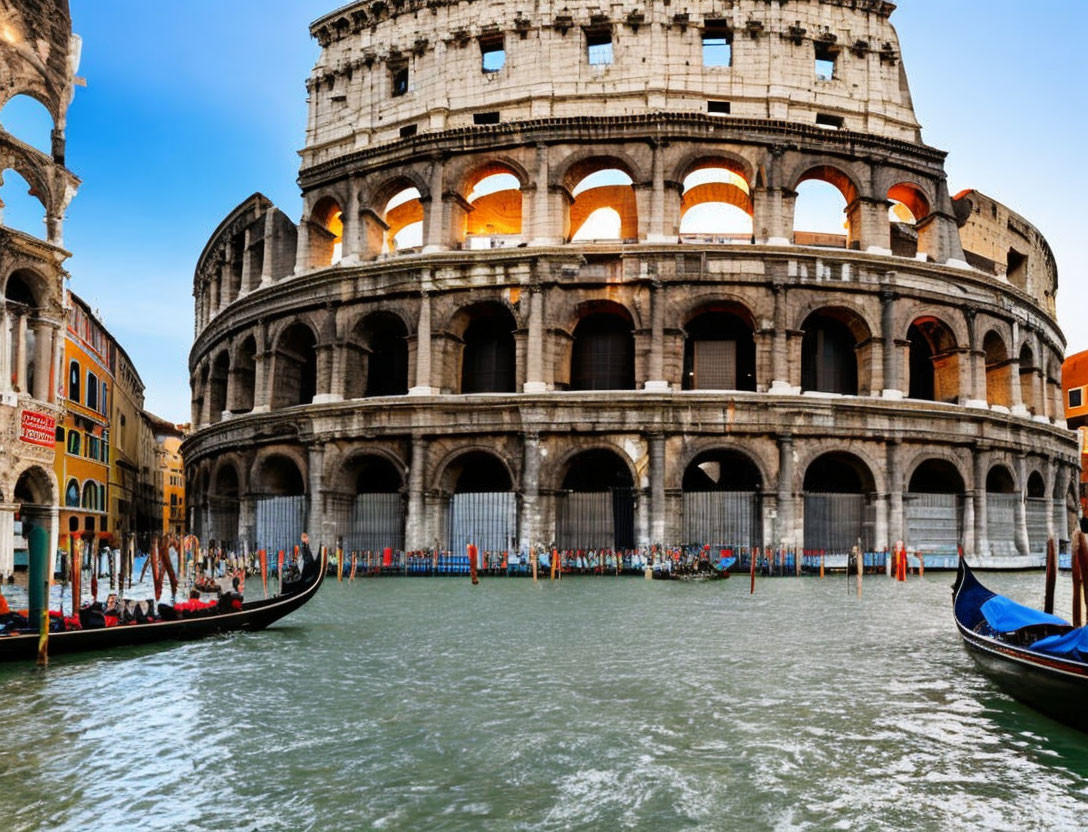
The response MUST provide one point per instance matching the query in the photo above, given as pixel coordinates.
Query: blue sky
(191, 107)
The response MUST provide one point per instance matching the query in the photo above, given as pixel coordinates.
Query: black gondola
(1033, 656)
(254, 615)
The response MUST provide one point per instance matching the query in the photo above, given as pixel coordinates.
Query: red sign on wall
(38, 429)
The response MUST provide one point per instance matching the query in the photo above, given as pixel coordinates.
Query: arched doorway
(375, 507)
(603, 352)
(245, 377)
(34, 501)
(839, 508)
(224, 508)
(295, 380)
(829, 352)
(934, 361)
(934, 508)
(1036, 505)
(998, 375)
(720, 351)
(596, 506)
(488, 358)
(217, 390)
(281, 506)
(377, 357)
(722, 501)
(482, 504)
(1002, 502)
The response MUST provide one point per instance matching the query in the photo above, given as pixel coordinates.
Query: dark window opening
(921, 366)
(722, 471)
(830, 122)
(485, 118)
(717, 44)
(479, 472)
(599, 46)
(603, 354)
(825, 62)
(489, 357)
(1076, 397)
(387, 364)
(829, 361)
(400, 81)
(719, 353)
(722, 108)
(1017, 269)
(936, 476)
(376, 475)
(408, 131)
(492, 54)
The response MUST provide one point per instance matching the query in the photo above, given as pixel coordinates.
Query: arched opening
(839, 507)
(716, 206)
(245, 376)
(603, 350)
(295, 375)
(488, 356)
(377, 357)
(604, 206)
(403, 216)
(934, 508)
(722, 501)
(28, 364)
(1027, 379)
(224, 501)
(720, 350)
(482, 505)
(998, 376)
(495, 219)
(217, 386)
(830, 352)
(281, 505)
(934, 361)
(326, 233)
(908, 207)
(90, 496)
(819, 219)
(71, 494)
(29, 121)
(22, 207)
(1002, 503)
(200, 389)
(374, 500)
(596, 507)
(1037, 508)
(35, 488)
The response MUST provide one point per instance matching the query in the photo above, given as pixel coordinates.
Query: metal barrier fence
(486, 519)
(1001, 523)
(595, 520)
(934, 521)
(836, 523)
(1036, 509)
(722, 519)
(280, 522)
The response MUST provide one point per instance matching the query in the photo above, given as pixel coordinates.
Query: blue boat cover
(1007, 616)
(1072, 645)
(725, 564)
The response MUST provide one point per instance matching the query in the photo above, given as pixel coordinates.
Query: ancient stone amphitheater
(553, 284)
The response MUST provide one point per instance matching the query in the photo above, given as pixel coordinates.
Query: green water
(595, 703)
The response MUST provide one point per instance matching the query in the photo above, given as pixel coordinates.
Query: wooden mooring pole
(1051, 576)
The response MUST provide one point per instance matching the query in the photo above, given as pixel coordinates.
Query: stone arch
(29, 287)
(914, 197)
(933, 361)
(707, 157)
(218, 384)
(325, 226)
(451, 473)
(935, 475)
(807, 455)
(836, 351)
(693, 450)
(375, 355)
(720, 348)
(496, 214)
(474, 170)
(35, 486)
(998, 369)
(581, 163)
(345, 472)
(699, 476)
(829, 170)
(557, 471)
(1026, 380)
(1001, 479)
(243, 366)
(294, 365)
(486, 358)
(279, 472)
(602, 348)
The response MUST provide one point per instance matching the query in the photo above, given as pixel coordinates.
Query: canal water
(594, 703)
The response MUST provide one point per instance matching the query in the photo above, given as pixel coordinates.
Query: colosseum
(553, 285)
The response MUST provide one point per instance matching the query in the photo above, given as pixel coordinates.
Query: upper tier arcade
(391, 70)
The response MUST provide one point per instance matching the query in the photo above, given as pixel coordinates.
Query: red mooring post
(1051, 576)
(472, 564)
(1078, 618)
(752, 570)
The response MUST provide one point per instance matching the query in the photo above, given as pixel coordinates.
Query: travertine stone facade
(38, 58)
(902, 362)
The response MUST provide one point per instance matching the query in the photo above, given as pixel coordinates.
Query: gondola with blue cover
(1033, 656)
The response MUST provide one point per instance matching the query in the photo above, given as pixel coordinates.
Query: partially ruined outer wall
(657, 66)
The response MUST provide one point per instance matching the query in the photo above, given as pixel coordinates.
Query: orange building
(1075, 398)
(83, 438)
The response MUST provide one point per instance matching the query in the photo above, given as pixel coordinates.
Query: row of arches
(721, 502)
(720, 351)
(28, 335)
(606, 198)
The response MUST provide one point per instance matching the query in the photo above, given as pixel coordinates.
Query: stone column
(20, 354)
(43, 356)
(780, 384)
(657, 381)
(415, 532)
(657, 231)
(785, 534)
(269, 241)
(528, 534)
(352, 239)
(302, 250)
(977, 361)
(772, 217)
(893, 386)
(534, 360)
(226, 277)
(5, 351)
(1051, 481)
(262, 387)
(56, 352)
(7, 540)
(547, 226)
(657, 489)
(320, 536)
(869, 227)
(434, 217)
(326, 391)
(1023, 547)
(1016, 394)
(423, 349)
(896, 518)
(982, 538)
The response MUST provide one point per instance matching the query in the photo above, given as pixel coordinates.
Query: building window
(73, 381)
(71, 494)
(485, 118)
(1076, 397)
(492, 53)
(60, 436)
(830, 122)
(74, 442)
(400, 80)
(408, 131)
(599, 46)
(825, 62)
(717, 44)
(92, 391)
(721, 108)
(102, 500)
(90, 496)
(105, 402)
(93, 445)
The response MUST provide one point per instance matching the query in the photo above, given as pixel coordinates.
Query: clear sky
(191, 107)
